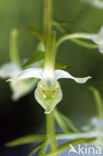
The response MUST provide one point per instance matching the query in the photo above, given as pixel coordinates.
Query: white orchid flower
(95, 126)
(19, 88)
(9, 70)
(95, 3)
(48, 92)
(96, 38)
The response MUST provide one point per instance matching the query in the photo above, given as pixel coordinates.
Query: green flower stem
(65, 123)
(34, 149)
(50, 41)
(79, 135)
(99, 102)
(77, 41)
(84, 43)
(50, 123)
(47, 18)
(66, 145)
(74, 36)
(50, 38)
(14, 57)
(50, 53)
(43, 148)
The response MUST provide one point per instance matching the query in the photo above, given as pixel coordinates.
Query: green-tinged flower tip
(96, 3)
(15, 32)
(21, 88)
(41, 46)
(8, 80)
(98, 39)
(48, 111)
(48, 95)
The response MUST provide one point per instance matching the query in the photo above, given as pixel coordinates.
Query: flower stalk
(49, 68)
(50, 127)
(74, 36)
(47, 18)
(14, 57)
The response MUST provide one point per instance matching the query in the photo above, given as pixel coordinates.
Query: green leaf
(69, 123)
(35, 149)
(62, 66)
(26, 140)
(60, 22)
(99, 102)
(65, 123)
(59, 25)
(61, 123)
(37, 56)
(66, 145)
(37, 34)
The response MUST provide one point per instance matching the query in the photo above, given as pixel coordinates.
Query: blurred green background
(26, 116)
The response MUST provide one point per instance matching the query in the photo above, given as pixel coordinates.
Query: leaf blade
(26, 140)
(99, 101)
(37, 56)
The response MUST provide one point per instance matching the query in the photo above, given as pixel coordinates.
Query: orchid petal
(63, 74)
(101, 49)
(28, 73)
(21, 88)
(96, 3)
(99, 37)
(101, 33)
(9, 70)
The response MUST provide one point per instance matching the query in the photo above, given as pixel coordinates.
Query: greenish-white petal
(9, 70)
(101, 49)
(28, 73)
(63, 74)
(96, 3)
(99, 37)
(48, 96)
(22, 87)
(101, 33)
